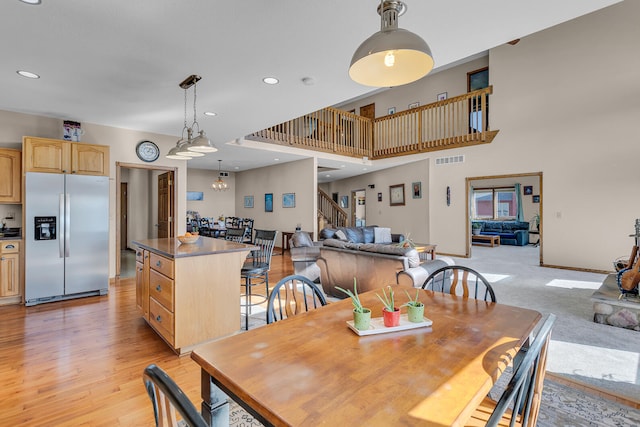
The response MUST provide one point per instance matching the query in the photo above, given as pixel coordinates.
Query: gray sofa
(374, 265)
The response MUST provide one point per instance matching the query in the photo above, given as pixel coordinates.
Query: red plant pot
(391, 318)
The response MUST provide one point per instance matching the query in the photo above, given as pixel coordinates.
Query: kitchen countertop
(172, 248)
(15, 234)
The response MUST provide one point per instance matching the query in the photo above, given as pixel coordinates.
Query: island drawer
(140, 255)
(161, 288)
(161, 320)
(162, 265)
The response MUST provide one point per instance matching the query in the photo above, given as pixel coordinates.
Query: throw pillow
(301, 239)
(413, 258)
(382, 235)
(340, 235)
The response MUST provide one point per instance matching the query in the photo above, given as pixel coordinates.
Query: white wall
(297, 177)
(412, 218)
(215, 203)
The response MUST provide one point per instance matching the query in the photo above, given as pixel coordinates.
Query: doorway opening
(139, 214)
(492, 188)
(358, 213)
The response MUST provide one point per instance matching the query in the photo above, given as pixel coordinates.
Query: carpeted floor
(603, 356)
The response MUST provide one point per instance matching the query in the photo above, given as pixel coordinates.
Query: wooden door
(46, 155)
(368, 111)
(10, 176)
(165, 205)
(9, 275)
(124, 208)
(89, 159)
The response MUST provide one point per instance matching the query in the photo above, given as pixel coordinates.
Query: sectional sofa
(510, 232)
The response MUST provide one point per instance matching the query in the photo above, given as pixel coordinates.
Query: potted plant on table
(475, 228)
(390, 313)
(415, 308)
(361, 314)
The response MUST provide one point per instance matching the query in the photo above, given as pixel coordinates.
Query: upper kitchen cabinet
(58, 156)
(10, 176)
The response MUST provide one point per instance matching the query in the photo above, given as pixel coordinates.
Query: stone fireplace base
(609, 310)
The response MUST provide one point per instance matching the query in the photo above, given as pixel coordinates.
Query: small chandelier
(392, 56)
(191, 147)
(219, 184)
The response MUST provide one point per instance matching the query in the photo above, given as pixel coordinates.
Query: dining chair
(524, 390)
(205, 227)
(234, 234)
(255, 271)
(293, 295)
(460, 280)
(167, 399)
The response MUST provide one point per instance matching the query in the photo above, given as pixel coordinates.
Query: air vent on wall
(449, 160)
(223, 174)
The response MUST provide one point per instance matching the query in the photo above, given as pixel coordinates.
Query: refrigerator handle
(67, 225)
(61, 215)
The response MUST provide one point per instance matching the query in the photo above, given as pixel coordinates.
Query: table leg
(215, 403)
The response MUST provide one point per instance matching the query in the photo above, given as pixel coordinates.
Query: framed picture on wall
(248, 201)
(379, 197)
(535, 199)
(528, 190)
(289, 200)
(396, 195)
(344, 201)
(195, 195)
(417, 190)
(268, 202)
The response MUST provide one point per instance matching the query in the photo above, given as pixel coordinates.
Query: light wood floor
(80, 362)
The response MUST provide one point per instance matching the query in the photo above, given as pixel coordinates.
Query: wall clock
(147, 151)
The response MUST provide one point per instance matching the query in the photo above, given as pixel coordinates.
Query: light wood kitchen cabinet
(161, 296)
(10, 268)
(193, 289)
(58, 156)
(10, 175)
(142, 282)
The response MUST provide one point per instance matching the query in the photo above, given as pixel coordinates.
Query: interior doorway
(532, 203)
(358, 214)
(141, 207)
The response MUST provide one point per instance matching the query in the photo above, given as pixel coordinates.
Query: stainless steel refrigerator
(66, 236)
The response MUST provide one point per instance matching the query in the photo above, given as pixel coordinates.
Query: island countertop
(171, 247)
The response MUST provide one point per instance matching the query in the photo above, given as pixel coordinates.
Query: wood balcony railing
(450, 123)
(331, 211)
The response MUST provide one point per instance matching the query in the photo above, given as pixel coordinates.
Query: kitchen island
(189, 293)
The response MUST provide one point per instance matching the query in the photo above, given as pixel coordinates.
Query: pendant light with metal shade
(219, 184)
(392, 56)
(191, 147)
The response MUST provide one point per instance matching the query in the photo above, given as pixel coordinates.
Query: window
(494, 203)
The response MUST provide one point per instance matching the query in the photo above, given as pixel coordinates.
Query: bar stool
(255, 271)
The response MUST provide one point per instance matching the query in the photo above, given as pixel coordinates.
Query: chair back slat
(169, 400)
(458, 280)
(525, 387)
(234, 234)
(293, 295)
(265, 240)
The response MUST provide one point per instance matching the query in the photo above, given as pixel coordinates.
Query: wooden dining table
(312, 369)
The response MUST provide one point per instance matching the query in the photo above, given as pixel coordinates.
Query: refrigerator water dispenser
(45, 227)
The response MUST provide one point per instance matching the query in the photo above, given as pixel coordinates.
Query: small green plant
(387, 300)
(355, 299)
(407, 242)
(415, 302)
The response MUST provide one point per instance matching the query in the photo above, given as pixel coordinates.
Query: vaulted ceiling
(118, 62)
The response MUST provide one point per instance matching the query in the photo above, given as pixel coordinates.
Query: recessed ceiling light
(210, 113)
(270, 80)
(342, 166)
(31, 1)
(237, 167)
(276, 159)
(327, 176)
(28, 74)
(364, 169)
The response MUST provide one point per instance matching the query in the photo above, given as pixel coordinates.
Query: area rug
(561, 406)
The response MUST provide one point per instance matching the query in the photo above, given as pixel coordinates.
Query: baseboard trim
(589, 388)
(587, 270)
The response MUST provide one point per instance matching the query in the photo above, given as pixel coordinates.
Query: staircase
(330, 213)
